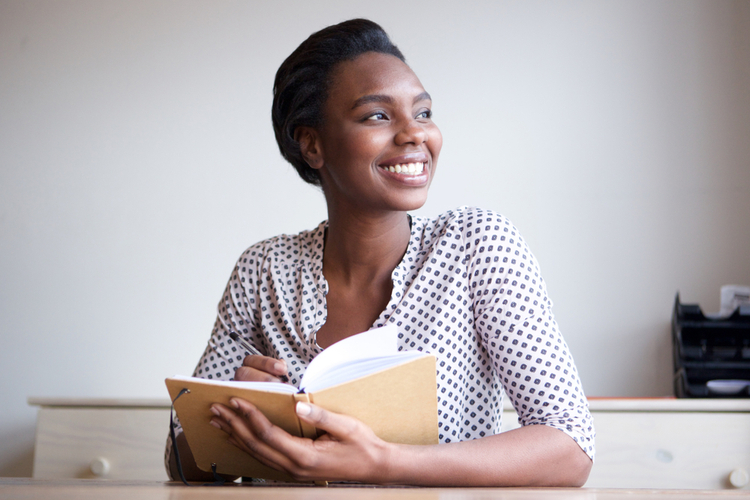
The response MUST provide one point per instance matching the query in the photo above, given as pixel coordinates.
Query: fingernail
(303, 409)
(215, 411)
(214, 423)
(279, 366)
(234, 403)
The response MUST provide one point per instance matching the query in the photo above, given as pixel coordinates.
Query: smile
(405, 168)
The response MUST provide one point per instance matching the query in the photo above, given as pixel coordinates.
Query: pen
(250, 349)
(244, 344)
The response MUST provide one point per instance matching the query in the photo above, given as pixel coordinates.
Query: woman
(353, 118)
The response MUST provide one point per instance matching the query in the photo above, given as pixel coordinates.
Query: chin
(410, 203)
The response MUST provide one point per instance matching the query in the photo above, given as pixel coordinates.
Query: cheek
(365, 148)
(356, 147)
(435, 142)
(372, 142)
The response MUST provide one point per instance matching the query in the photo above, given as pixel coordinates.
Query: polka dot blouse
(467, 290)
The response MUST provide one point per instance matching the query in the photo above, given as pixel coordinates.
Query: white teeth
(407, 168)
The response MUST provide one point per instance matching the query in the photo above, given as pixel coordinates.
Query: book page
(353, 370)
(376, 343)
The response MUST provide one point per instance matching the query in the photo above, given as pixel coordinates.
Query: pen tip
(233, 335)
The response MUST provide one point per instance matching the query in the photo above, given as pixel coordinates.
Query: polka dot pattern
(467, 290)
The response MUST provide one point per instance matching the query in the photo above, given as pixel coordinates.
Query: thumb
(337, 425)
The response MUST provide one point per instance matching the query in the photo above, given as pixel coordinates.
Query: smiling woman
(353, 118)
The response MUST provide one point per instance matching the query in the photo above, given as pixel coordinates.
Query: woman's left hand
(349, 451)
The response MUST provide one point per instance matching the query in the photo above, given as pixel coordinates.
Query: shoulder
(483, 237)
(470, 224)
(285, 249)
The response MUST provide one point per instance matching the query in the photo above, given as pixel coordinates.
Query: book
(364, 376)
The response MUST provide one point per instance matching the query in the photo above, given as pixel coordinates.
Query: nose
(412, 132)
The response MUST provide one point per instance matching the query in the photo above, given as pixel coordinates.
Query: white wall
(137, 161)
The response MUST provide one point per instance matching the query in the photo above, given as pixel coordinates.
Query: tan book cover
(398, 402)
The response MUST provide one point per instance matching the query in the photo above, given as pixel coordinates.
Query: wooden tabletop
(85, 489)
(665, 404)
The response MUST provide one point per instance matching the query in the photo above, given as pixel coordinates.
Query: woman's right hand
(261, 369)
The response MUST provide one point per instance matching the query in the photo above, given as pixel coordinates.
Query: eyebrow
(424, 96)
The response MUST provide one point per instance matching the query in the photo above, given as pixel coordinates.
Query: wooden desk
(85, 489)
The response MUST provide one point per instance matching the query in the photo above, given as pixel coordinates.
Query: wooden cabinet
(109, 439)
(641, 443)
(668, 443)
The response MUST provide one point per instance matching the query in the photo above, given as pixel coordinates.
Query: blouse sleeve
(514, 317)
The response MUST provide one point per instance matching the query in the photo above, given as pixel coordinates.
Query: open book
(364, 376)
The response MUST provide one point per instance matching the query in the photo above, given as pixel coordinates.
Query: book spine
(306, 430)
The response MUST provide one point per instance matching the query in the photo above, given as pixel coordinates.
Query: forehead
(372, 73)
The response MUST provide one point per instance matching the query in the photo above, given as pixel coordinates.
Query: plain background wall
(137, 162)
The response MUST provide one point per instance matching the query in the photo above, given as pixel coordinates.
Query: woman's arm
(535, 455)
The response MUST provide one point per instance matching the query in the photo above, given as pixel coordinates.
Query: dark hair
(301, 85)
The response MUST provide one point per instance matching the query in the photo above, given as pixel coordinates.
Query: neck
(363, 248)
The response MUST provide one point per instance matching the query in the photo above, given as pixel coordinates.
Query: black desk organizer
(709, 349)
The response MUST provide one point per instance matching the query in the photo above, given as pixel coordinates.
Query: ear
(310, 146)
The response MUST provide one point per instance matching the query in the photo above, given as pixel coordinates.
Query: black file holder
(709, 349)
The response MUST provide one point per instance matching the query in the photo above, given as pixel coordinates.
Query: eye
(424, 115)
(377, 116)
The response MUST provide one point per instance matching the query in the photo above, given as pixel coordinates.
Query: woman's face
(378, 144)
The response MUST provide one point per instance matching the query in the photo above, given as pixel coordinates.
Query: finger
(225, 419)
(221, 424)
(300, 455)
(248, 374)
(339, 426)
(239, 435)
(252, 429)
(266, 364)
